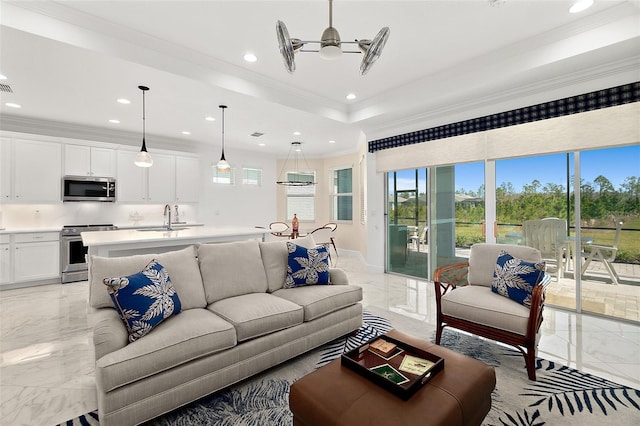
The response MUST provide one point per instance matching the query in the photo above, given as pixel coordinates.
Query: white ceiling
(68, 61)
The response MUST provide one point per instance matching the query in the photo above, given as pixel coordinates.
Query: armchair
(464, 300)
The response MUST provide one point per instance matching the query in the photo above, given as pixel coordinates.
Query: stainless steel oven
(73, 254)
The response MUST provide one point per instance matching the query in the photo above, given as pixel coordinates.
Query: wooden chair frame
(448, 278)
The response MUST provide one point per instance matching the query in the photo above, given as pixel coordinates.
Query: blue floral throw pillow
(145, 299)
(515, 278)
(307, 266)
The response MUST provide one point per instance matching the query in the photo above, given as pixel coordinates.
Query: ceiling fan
(330, 45)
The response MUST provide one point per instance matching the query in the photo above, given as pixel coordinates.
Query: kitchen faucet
(167, 211)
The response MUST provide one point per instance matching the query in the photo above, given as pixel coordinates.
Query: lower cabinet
(5, 259)
(30, 256)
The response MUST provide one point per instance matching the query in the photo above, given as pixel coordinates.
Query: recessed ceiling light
(185, 132)
(209, 118)
(3, 77)
(250, 57)
(114, 121)
(262, 144)
(580, 5)
(124, 101)
(12, 105)
(351, 96)
(332, 141)
(297, 133)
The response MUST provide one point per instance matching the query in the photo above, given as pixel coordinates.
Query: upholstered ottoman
(336, 395)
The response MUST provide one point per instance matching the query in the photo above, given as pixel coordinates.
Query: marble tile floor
(46, 357)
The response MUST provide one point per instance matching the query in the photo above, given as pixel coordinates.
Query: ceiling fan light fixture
(330, 44)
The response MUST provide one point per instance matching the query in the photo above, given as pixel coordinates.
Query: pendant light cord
(223, 107)
(144, 126)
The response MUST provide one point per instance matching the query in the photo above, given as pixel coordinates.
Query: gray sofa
(236, 320)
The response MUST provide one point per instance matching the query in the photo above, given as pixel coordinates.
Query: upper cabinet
(156, 184)
(31, 171)
(162, 179)
(131, 182)
(82, 160)
(187, 179)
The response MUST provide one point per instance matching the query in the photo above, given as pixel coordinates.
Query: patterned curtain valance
(627, 93)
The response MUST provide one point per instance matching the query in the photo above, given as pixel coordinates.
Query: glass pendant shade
(143, 159)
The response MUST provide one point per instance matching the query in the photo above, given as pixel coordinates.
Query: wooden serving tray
(364, 362)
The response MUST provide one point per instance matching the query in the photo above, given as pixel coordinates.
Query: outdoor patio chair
(548, 236)
(419, 239)
(465, 300)
(605, 254)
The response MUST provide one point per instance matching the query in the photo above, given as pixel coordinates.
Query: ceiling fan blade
(286, 46)
(372, 50)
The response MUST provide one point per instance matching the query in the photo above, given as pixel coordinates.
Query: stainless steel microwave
(88, 188)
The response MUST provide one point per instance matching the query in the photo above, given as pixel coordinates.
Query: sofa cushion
(482, 260)
(306, 266)
(145, 299)
(318, 301)
(231, 269)
(192, 334)
(257, 314)
(480, 305)
(181, 265)
(515, 278)
(275, 256)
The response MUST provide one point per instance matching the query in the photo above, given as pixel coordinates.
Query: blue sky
(615, 164)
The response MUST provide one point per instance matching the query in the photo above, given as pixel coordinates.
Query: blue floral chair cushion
(145, 299)
(307, 266)
(515, 278)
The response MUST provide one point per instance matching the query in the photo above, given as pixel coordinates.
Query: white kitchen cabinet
(36, 256)
(187, 179)
(155, 184)
(5, 259)
(80, 160)
(5, 169)
(36, 172)
(131, 184)
(161, 179)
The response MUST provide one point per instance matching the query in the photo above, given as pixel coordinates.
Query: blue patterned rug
(560, 396)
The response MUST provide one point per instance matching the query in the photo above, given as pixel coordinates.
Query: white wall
(242, 205)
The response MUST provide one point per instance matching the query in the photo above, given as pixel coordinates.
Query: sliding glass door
(436, 214)
(608, 260)
(407, 222)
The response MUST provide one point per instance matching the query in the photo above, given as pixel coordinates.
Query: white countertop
(133, 236)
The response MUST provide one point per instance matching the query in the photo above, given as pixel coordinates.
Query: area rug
(560, 396)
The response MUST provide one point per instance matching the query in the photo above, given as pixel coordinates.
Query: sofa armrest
(338, 276)
(109, 332)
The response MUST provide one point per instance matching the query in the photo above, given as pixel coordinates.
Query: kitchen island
(158, 240)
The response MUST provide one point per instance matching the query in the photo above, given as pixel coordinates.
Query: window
(301, 199)
(342, 195)
(252, 177)
(226, 178)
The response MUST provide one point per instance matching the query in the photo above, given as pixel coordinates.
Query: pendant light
(222, 165)
(143, 159)
(296, 149)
